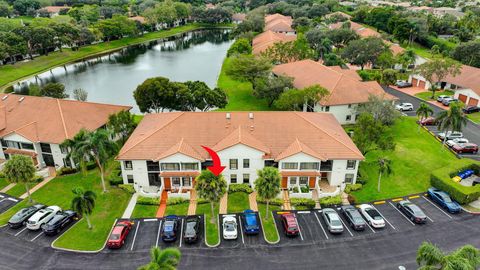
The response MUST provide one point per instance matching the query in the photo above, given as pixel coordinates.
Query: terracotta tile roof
(338, 13)
(239, 17)
(344, 88)
(317, 133)
(139, 19)
(394, 47)
(14, 151)
(277, 16)
(278, 23)
(50, 120)
(55, 9)
(181, 147)
(298, 147)
(361, 30)
(469, 77)
(266, 39)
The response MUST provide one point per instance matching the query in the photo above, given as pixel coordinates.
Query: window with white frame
(192, 166)
(128, 165)
(309, 166)
(233, 178)
(289, 165)
(246, 178)
(63, 149)
(130, 179)
(348, 118)
(186, 181)
(176, 181)
(170, 166)
(327, 108)
(351, 164)
(303, 181)
(292, 181)
(246, 163)
(233, 164)
(349, 178)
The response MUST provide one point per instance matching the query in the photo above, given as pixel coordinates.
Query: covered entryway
(179, 181)
(463, 98)
(421, 84)
(14, 151)
(414, 82)
(473, 102)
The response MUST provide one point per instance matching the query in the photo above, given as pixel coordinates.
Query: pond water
(112, 78)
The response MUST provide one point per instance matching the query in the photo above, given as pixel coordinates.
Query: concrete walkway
(131, 205)
(7, 188)
(252, 199)
(315, 198)
(223, 204)
(163, 205)
(286, 200)
(345, 199)
(192, 207)
(37, 187)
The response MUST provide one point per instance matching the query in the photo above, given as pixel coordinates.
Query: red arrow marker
(217, 167)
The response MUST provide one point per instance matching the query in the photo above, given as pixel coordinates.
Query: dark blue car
(250, 222)
(170, 229)
(444, 200)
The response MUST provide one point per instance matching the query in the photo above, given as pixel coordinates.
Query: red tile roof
(266, 39)
(278, 23)
(469, 77)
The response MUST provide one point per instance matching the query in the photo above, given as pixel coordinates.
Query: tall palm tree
(384, 168)
(96, 145)
(451, 120)
(164, 259)
(430, 257)
(423, 111)
(268, 184)
(211, 187)
(325, 47)
(19, 169)
(83, 203)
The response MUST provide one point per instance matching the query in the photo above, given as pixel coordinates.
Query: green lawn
(11, 73)
(240, 94)
(427, 95)
(269, 228)
(237, 202)
(475, 117)
(212, 228)
(19, 189)
(180, 209)
(3, 183)
(417, 154)
(108, 206)
(144, 211)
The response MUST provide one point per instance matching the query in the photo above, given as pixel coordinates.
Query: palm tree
(452, 120)
(163, 259)
(431, 257)
(95, 145)
(83, 203)
(423, 111)
(268, 185)
(211, 187)
(384, 168)
(20, 169)
(325, 47)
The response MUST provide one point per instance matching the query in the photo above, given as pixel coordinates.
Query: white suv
(450, 135)
(41, 217)
(404, 107)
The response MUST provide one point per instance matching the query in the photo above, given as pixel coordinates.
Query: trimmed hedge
(66, 171)
(330, 201)
(174, 201)
(442, 179)
(353, 187)
(309, 203)
(275, 201)
(127, 187)
(239, 188)
(38, 178)
(148, 201)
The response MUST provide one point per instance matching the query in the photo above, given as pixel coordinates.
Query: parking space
(7, 201)
(435, 213)
(232, 243)
(252, 240)
(201, 236)
(394, 219)
(324, 226)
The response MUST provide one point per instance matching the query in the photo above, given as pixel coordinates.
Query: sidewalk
(131, 205)
(163, 205)
(252, 199)
(192, 207)
(223, 204)
(7, 188)
(315, 198)
(37, 187)
(286, 200)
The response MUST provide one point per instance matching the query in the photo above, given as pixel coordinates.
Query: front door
(168, 183)
(48, 159)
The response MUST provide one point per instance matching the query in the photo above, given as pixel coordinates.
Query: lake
(112, 78)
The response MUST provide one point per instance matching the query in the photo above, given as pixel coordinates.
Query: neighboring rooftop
(139, 19)
(239, 17)
(266, 39)
(51, 120)
(468, 78)
(54, 9)
(277, 134)
(278, 23)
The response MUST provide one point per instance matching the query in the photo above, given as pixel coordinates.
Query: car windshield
(334, 220)
(373, 213)
(251, 219)
(356, 216)
(229, 226)
(55, 219)
(446, 198)
(416, 209)
(190, 230)
(114, 237)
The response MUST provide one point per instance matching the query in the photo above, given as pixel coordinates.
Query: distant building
(54, 10)
(139, 19)
(267, 39)
(238, 17)
(279, 23)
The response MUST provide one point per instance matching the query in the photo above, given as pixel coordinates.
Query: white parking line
(320, 223)
(299, 229)
(437, 207)
(12, 199)
(386, 220)
(370, 227)
(345, 225)
(241, 229)
(135, 235)
(158, 233)
(181, 234)
(429, 218)
(150, 219)
(36, 237)
(20, 231)
(401, 213)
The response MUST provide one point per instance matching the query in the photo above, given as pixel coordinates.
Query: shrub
(370, 75)
(295, 189)
(275, 201)
(240, 46)
(442, 179)
(309, 203)
(361, 181)
(148, 201)
(351, 199)
(127, 187)
(202, 201)
(116, 181)
(115, 177)
(174, 201)
(331, 201)
(239, 188)
(66, 171)
(91, 165)
(38, 178)
(2, 175)
(353, 187)
(304, 189)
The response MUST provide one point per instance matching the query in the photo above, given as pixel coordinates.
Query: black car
(17, 220)
(192, 229)
(353, 217)
(58, 222)
(412, 211)
(170, 229)
(471, 109)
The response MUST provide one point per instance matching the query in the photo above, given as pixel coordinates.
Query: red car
(429, 121)
(289, 224)
(119, 234)
(465, 148)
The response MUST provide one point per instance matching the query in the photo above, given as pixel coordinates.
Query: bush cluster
(127, 187)
(239, 188)
(174, 201)
(309, 203)
(331, 201)
(353, 187)
(275, 201)
(148, 201)
(442, 179)
(66, 171)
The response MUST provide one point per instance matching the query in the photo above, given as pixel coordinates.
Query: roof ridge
(63, 119)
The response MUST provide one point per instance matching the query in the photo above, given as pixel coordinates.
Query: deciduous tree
(20, 170)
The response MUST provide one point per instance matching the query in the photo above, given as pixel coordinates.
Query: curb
(470, 212)
(264, 236)
(82, 251)
(205, 232)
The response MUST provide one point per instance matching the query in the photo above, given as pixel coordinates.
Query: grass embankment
(144, 211)
(237, 202)
(180, 209)
(475, 117)
(417, 154)
(10, 73)
(427, 95)
(211, 228)
(269, 228)
(3, 183)
(240, 94)
(58, 191)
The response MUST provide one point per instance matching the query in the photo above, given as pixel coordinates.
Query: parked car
(250, 222)
(448, 101)
(471, 109)
(404, 107)
(289, 224)
(230, 227)
(373, 217)
(192, 229)
(457, 141)
(429, 121)
(403, 84)
(443, 199)
(170, 228)
(59, 221)
(19, 219)
(450, 135)
(353, 217)
(331, 218)
(412, 211)
(41, 217)
(119, 234)
(465, 148)
(440, 98)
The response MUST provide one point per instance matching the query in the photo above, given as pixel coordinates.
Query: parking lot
(243, 239)
(7, 201)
